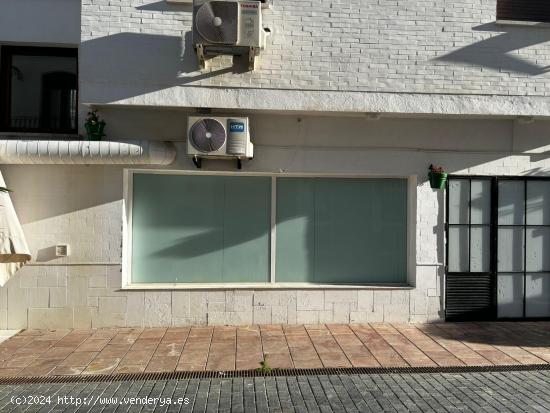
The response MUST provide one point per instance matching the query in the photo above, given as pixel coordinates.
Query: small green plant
(4, 189)
(94, 126)
(264, 366)
(437, 177)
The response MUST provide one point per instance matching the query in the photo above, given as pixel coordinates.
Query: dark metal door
(470, 262)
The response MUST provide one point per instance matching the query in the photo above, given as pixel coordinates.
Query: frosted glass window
(480, 247)
(510, 295)
(200, 229)
(332, 230)
(537, 295)
(510, 249)
(538, 202)
(511, 203)
(459, 249)
(459, 201)
(481, 201)
(538, 249)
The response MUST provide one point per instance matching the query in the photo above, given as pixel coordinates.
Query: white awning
(14, 251)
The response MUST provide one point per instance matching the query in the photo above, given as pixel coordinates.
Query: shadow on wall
(163, 6)
(47, 191)
(500, 52)
(143, 63)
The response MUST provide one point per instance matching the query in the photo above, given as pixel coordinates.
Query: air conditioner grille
(216, 21)
(207, 135)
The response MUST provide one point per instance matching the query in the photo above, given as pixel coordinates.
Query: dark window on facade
(38, 89)
(524, 10)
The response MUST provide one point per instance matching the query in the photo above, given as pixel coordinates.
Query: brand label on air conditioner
(236, 127)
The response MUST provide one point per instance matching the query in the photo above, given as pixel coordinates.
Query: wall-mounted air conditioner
(219, 137)
(228, 27)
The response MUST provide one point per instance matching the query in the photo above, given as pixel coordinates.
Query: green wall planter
(437, 179)
(95, 131)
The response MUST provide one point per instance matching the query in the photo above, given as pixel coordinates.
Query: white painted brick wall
(361, 45)
(83, 206)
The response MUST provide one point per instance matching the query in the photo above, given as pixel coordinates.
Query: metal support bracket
(197, 161)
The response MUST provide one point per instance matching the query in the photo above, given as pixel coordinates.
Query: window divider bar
(273, 235)
(524, 247)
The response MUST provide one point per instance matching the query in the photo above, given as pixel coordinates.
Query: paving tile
(249, 348)
(129, 369)
(160, 364)
(503, 340)
(378, 347)
(19, 360)
(327, 348)
(196, 349)
(137, 357)
(274, 344)
(114, 351)
(102, 365)
(39, 367)
(72, 340)
(169, 349)
(57, 352)
(37, 346)
(282, 361)
(8, 372)
(446, 340)
(93, 344)
(150, 344)
(222, 352)
(80, 358)
(124, 338)
(156, 333)
(67, 371)
(108, 333)
(431, 348)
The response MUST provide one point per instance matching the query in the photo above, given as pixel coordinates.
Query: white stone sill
(266, 286)
(523, 23)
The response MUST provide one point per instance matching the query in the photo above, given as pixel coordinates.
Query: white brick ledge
(99, 94)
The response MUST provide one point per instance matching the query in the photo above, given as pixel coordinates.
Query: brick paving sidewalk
(517, 391)
(129, 350)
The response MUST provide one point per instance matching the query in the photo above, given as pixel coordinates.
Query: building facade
(333, 220)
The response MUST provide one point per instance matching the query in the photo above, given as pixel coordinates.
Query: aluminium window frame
(127, 283)
(6, 55)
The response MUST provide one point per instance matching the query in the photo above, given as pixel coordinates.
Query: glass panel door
(498, 228)
(510, 248)
(469, 224)
(523, 246)
(537, 249)
(469, 278)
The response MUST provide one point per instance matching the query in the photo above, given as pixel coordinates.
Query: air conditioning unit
(225, 27)
(218, 137)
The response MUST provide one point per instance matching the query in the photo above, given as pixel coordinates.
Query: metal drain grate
(181, 375)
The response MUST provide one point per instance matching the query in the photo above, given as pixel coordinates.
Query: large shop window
(220, 229)
(341, 230)
(200, 229)
(38, 89)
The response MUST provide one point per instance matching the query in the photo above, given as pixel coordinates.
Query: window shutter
(524, 10)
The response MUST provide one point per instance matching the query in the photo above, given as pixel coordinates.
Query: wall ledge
(317, 101)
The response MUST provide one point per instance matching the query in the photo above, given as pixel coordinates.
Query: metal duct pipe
(86, 152)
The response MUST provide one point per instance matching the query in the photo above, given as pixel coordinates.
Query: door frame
(493, 273)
